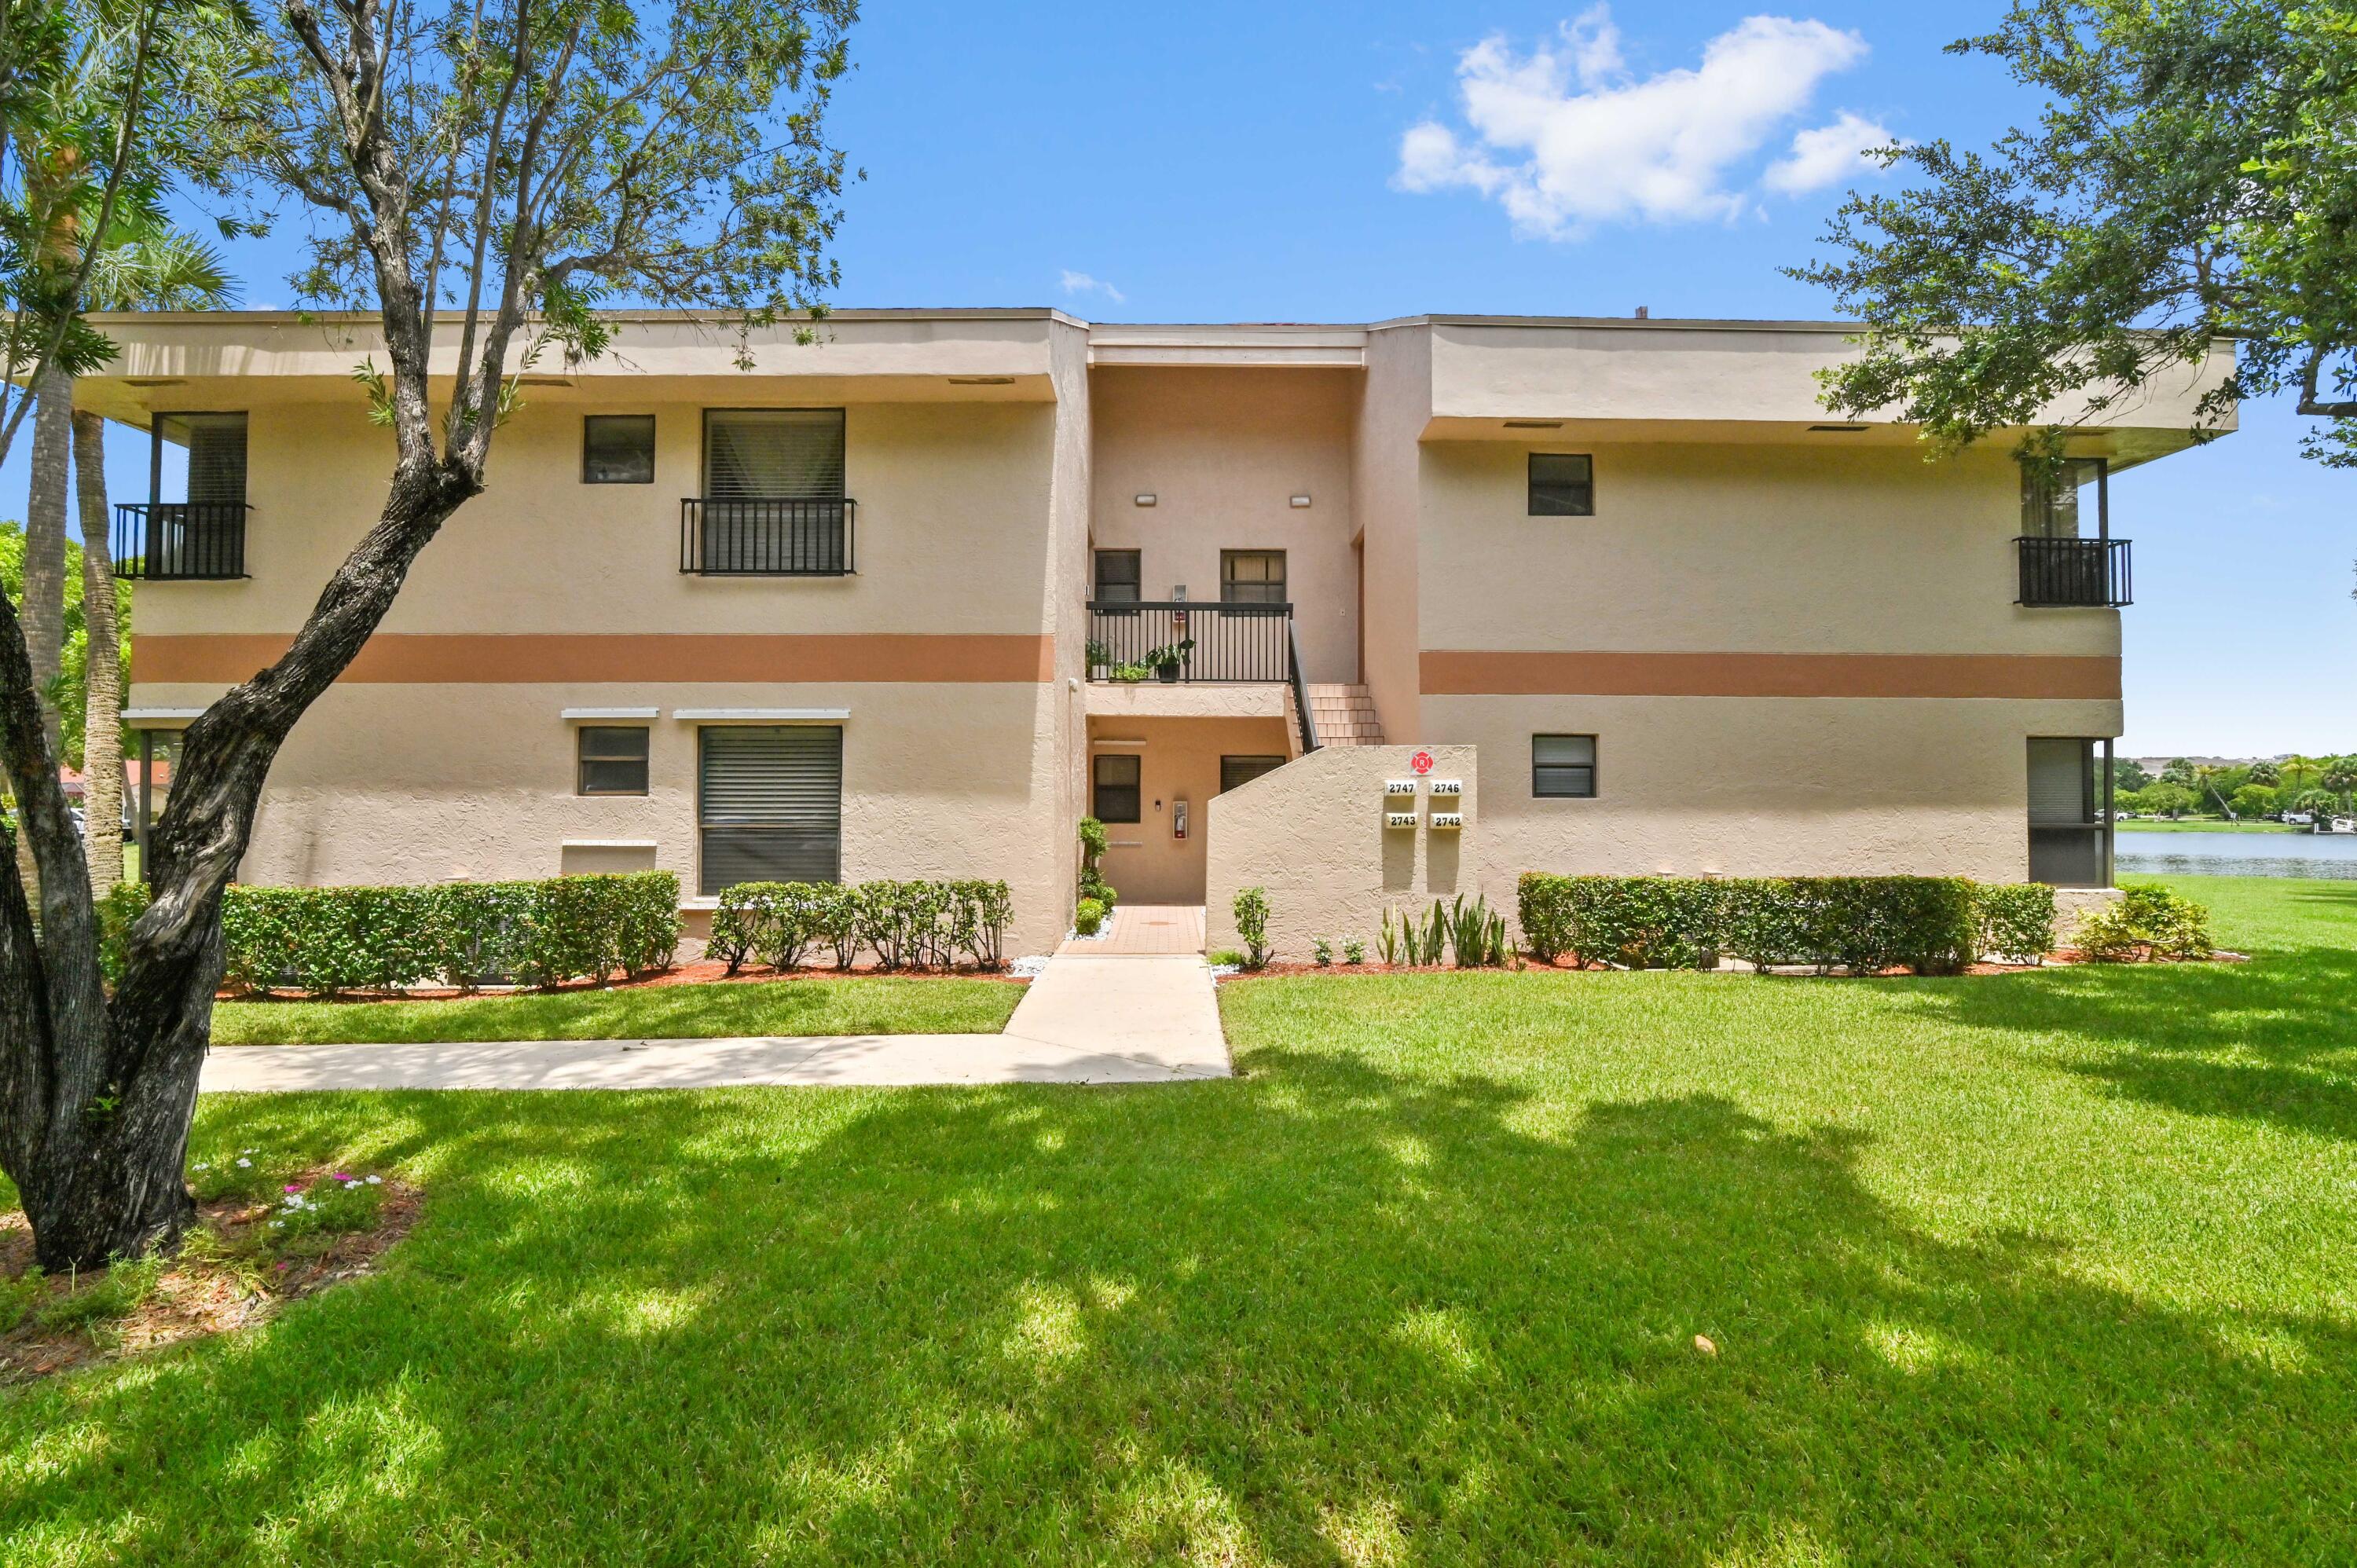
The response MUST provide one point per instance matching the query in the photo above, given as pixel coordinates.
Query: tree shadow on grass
(1324, 1313)
(2274, 1039)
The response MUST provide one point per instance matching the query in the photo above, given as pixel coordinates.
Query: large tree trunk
(96, 1094)
(102, 746)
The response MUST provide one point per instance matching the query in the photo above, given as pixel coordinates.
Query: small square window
(613, 760)
(1117, 781)
(1563, 484)
(1118, 576)
(1562, 767)
(617, 449)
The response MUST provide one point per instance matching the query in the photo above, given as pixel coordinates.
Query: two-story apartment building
(909, 600)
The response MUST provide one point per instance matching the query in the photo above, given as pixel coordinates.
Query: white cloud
(1081, 282)
(1567, 136)
(1829, 154)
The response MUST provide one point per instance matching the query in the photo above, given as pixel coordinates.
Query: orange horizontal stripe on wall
(536, 659)
(1470, 672)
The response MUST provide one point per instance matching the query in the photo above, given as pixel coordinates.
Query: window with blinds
(1239, 770)
(773, 454)
(1562, 765)
(215, 446)
(773, 501)
(1251, 577)
(1119, 573)
(770, 804)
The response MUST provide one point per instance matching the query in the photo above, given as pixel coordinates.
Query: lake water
(2238, 854)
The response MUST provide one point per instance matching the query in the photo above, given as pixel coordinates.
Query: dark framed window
(1562, 767)
(617, 449)
(1251, 577)
(2056, 509)
(1239, 770)
(1119, 576)
(612, 760)
(1117, 778)
(1563, 484)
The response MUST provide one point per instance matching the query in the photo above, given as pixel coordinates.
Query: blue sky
(1349, 162)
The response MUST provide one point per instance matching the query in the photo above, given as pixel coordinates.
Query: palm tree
(2340, 778)
(144, 266)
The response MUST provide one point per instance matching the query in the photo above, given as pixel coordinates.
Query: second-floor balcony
(2061, 574)
(1196, 643)
(187, 541)
(766, 536)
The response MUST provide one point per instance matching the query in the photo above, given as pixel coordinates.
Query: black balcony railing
(186, 540)
(1231, 642)
(2084, 572)
(766, 537)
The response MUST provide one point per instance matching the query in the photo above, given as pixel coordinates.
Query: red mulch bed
(2060, 959)
(701, 972)
(195, 1298)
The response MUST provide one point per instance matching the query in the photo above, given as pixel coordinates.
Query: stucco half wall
(1311, 837)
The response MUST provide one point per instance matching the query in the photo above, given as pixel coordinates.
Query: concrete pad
(878, 1059)
(1084, 1020)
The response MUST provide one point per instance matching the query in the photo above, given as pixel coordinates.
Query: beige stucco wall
(391, 783)
(1224, 450)
(951, 532)
(1764, 786)
(1736, 548)
(1179, 761)
(1388, 463)
(1311, 835)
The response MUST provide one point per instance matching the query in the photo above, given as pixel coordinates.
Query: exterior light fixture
(1301, 500)
(1146, 497)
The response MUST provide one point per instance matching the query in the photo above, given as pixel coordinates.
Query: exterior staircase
(1345, 715)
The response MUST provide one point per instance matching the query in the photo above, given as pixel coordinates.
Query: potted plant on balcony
(1099, 659)
(1128, 674)
(1167, 659)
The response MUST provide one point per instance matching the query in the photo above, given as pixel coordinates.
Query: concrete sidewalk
(1085, 1020)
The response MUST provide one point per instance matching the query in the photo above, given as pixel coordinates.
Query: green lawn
(2201, 825)
(863, 1004)
(2046, 1267)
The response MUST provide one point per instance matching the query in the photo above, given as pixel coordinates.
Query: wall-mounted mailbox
(1399, 786)
(1399, 819)
(1449, 787)
(1448, 820)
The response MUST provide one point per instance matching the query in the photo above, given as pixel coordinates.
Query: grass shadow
(1329, 1312)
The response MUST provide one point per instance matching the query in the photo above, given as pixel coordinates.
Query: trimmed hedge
(1930, 925)
(907, 925)
(324, 940)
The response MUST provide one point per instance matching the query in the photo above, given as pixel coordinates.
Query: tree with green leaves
(2192, 178)
(481, 176)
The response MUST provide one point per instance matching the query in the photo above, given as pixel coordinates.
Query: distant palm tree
(142, 267)
(2340, 779)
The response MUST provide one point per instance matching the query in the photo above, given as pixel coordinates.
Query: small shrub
(1391, 939)
(1321, 952)
(1093, 884)
(2145, 925)
(1250, 911)
(2015, 920)
(1476, 938)
(1088, 916)
(1226, 958)
(1353, 950)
